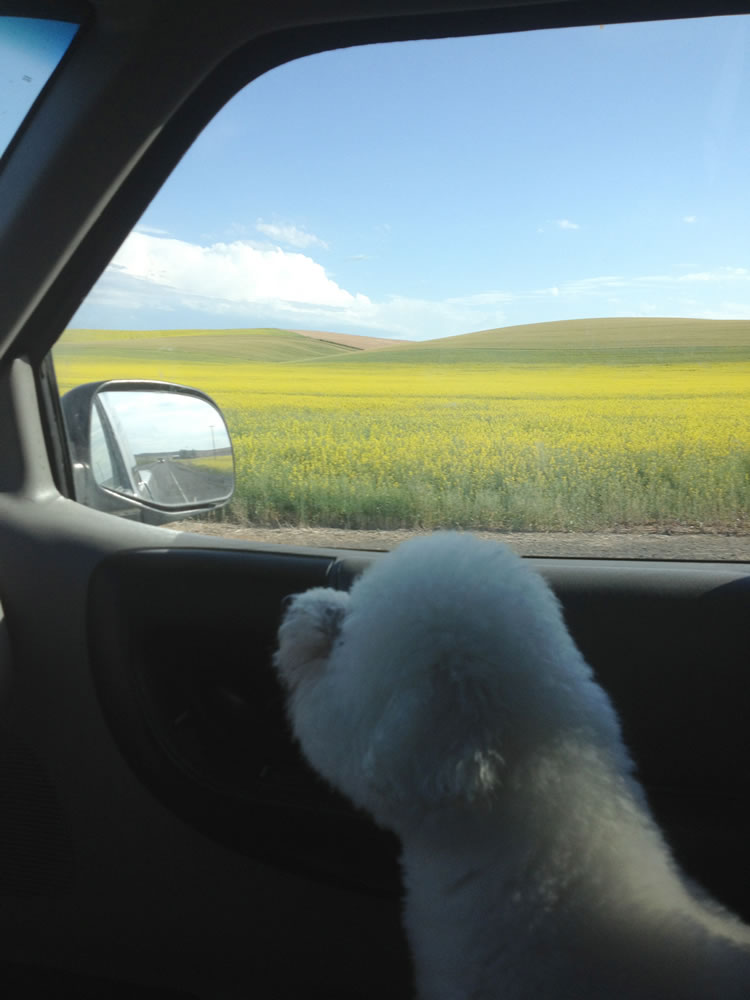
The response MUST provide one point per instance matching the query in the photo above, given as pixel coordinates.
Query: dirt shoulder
(610, 545)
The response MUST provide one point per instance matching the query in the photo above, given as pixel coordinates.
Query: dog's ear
(436, 742)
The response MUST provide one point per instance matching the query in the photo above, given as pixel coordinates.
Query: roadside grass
(577, 440)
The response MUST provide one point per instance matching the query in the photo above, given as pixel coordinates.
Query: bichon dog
(445, 696)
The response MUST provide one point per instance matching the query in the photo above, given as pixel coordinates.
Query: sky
(428, 189)
(29, 51)
(165, 421)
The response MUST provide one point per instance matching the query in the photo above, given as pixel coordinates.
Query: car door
(160, 834)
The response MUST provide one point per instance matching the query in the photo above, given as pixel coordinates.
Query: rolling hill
(217, 346)
(612, 340)
(609, 340)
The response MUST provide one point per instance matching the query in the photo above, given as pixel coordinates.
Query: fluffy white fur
(445, 696)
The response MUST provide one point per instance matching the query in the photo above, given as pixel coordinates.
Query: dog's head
(427, 685)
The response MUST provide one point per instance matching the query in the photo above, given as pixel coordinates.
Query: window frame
(144, 177)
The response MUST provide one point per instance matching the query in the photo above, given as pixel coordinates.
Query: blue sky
(427, 189)
(29, 51)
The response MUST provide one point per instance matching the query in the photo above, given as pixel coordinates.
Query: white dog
(445, 696)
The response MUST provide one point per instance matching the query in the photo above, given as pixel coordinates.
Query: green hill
(597, 334)
(217, 346)
(604, 341)
(612, 340)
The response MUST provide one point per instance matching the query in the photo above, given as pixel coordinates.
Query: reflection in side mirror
(174, 450)
(163, 448)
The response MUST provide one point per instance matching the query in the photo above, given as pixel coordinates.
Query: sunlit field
(559, 438)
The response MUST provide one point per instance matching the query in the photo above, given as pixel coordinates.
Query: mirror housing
(151, 451)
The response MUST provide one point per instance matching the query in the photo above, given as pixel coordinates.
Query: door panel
(191, 849)
(99, 876)
(181, 647)
(5, 658)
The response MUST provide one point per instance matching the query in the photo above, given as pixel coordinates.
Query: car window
(30, 49)
(496, 283)
(102, 467)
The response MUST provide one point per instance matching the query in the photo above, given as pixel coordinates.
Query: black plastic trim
(198, 714)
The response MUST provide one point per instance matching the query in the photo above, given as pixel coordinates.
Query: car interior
(160, 834)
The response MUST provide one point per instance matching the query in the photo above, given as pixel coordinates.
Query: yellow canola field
(517, 448)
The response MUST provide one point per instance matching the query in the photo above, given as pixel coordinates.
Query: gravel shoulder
(678, 544)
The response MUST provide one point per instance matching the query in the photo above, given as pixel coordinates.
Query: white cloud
(483, 299)
(587, 286)
(289, 235)
(605, 283)
(720, 274)
(425, 319)
(235, 272)
(240, 283)
(728, 310)
(689, 218)
(567, 224)
(151, 230)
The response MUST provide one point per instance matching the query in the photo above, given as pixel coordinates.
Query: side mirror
(148, 450)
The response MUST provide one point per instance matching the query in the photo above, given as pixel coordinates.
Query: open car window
(498, 284)
(30, 50)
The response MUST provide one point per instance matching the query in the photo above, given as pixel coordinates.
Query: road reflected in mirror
(171, 449)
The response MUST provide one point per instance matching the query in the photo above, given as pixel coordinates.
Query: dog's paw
(310, 626)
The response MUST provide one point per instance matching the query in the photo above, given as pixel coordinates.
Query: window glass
(497, 283)
(30, 49)
(101, 461)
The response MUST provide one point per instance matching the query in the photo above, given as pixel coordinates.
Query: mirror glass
(167, 448)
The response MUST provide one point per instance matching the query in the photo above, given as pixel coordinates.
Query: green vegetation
(199, 346)
(569, 426)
